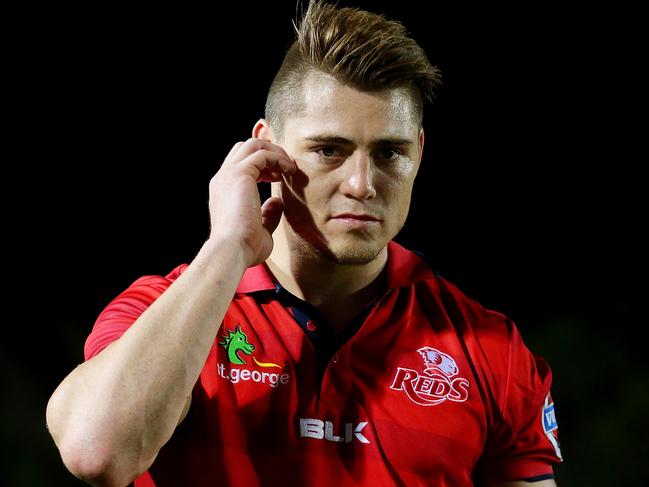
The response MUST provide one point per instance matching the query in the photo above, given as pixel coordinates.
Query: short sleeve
(524, 442)
(122, 311)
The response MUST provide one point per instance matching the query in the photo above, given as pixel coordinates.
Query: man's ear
(421, 144)
(262, 130)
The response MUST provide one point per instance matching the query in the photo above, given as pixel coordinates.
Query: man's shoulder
(159, 280)
(450, 290)
(148, 287)
(462, 308)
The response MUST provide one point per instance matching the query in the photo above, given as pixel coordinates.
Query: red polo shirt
(430, 389)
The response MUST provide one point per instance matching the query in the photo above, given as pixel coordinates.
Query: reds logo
(436, 383)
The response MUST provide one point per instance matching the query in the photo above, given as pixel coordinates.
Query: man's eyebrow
(334, 139)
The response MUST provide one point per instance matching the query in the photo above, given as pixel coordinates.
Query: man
(302, 346)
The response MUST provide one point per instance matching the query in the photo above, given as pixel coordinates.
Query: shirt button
(335, 358)
(311, 326)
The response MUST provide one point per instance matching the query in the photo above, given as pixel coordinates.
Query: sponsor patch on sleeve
(549, 418)
(550, 427)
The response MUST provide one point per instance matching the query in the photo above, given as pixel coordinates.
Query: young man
(302, 346)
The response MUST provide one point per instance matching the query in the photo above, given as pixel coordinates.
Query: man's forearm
(113, 413)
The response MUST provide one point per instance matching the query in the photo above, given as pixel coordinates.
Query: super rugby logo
(236, 343)
(436, 384)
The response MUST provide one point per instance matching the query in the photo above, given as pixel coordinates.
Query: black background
(529, 195)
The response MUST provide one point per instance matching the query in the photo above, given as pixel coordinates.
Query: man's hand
(236, 213)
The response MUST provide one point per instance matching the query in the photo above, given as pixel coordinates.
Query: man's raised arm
(111, 415)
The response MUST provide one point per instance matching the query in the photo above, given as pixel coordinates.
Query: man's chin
(358, 254)
(351, 250)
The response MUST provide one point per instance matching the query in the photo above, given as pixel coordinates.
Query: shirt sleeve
(127, 307)
(524, 442)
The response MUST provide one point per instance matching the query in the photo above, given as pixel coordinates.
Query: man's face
(357, 155)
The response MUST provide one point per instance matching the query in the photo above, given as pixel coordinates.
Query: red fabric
(447, 389)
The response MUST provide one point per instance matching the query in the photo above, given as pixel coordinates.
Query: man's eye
(327, 151)
(389, 154)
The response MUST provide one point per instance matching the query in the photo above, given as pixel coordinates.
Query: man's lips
(360, 217)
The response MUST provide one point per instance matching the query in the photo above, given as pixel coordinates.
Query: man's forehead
(322, 91)
(332, 110)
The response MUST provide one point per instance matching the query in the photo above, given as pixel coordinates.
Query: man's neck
(340, 292)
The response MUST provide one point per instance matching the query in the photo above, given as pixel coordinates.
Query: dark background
(528, 197)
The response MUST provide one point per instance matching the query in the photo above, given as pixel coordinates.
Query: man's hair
(358, 48)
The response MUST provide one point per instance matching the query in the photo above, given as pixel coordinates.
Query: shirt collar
(404, 268)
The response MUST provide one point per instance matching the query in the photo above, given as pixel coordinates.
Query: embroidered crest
(436, 383)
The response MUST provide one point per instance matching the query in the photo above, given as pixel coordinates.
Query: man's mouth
(356, 220)
(361, 217)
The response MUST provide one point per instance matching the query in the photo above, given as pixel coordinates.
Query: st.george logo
(237, 346)
(436, 383)
(236, 342)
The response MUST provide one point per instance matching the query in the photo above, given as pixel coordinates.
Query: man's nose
(358, 180)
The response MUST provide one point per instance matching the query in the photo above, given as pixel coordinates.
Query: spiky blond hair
(358, 48)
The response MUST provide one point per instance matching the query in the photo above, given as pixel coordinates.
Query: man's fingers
(268, 176)
(268, 162)
(234, 149)
(271, 213)
(242, 150)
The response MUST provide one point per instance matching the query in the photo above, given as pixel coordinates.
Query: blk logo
(324, 430)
